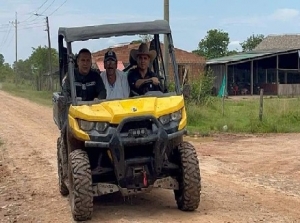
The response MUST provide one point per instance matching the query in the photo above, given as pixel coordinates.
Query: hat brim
(110, 58)
(135, 53)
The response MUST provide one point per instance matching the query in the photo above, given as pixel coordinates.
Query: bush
(201, 88)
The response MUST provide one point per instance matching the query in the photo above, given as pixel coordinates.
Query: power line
(47, 7)
(41, 12)
(31, 27)
(57, 8)
(23, 26)
(6, 36)
(8, 44)
(31, 13)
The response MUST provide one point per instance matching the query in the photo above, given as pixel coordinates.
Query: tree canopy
(215, 44)
(1, 60)
(251, 42)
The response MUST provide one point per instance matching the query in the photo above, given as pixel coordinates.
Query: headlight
(101, 126)
(88, 126)
(175, 116)
(164, 119)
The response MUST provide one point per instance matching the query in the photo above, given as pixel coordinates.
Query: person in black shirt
(141, 74)
(88, 83)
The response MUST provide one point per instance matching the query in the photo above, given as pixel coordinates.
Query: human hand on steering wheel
(146, 85)
(155, 81)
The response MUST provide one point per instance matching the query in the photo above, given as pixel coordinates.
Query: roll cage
(155, 28)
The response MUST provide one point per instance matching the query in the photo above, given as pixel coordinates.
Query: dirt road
(245, 178)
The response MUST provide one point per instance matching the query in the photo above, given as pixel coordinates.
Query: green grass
(280, 115)
(41, 97)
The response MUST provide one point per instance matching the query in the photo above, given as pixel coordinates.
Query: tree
(5, 69)
(136, 41)
(144, 38)
(40, 58)
(6, 72)
(24, 69)
(214, 45)
(1, 60)
(232, 52)
(251, 42)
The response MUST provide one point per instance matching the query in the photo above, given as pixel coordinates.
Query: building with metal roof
(273, 65)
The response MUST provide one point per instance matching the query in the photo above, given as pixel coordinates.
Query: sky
(189, 21)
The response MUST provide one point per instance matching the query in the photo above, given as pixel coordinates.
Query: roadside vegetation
(206, 114)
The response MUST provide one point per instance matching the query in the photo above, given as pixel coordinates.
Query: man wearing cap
(115, 80)
(142, 73)
(89, 85)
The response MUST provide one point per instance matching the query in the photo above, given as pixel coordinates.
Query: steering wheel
(146, 86)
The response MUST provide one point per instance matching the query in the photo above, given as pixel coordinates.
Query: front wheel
(61, 161)
(81, 191)
(188, 195)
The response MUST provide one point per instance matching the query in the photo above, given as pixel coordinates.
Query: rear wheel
(61, 160)
(81, 191)
(188, 195)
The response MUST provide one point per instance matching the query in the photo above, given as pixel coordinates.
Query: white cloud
(280, 15)
(284, 14)
(242, 20)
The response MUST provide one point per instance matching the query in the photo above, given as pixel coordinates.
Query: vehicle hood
(115, 111)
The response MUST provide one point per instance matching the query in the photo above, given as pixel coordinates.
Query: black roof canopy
(109, 30)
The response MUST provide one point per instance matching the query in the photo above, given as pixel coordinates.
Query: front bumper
(116, 139)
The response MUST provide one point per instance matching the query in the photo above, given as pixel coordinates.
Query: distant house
(193, 63)
(273, 65)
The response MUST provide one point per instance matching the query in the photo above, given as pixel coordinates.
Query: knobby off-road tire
(61, 160)
(81, 192)
(188, 195)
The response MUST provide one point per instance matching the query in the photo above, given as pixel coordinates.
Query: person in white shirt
(115, 80)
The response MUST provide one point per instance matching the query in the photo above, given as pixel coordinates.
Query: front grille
(139, 126)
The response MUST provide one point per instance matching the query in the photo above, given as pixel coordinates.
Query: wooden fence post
(261, 103)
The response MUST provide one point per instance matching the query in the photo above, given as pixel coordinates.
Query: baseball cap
(110, 55)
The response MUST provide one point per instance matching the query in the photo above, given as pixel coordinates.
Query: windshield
(122, 47)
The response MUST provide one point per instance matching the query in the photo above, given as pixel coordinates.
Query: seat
(132, 62)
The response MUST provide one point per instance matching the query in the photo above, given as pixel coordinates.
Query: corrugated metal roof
(246, 56)
(235, 58)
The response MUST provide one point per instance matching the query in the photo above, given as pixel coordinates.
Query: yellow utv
(123, 145)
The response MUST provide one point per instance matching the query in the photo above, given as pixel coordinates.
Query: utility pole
(166, 42)
(16, 35)
(15, 24)
(50, 54)
(49, 48)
